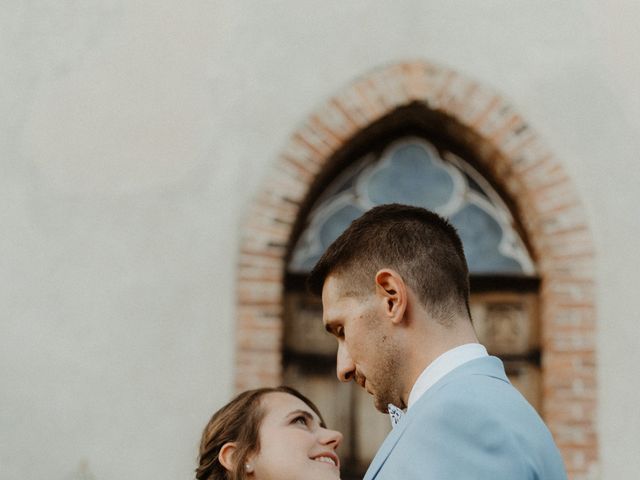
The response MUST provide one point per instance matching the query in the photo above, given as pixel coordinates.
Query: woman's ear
(392, 292)
(225, 457)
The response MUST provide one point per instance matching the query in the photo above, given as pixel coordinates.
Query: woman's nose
(332, 438)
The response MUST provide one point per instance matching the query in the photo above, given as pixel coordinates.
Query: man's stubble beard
(388, 376)
(385, 374)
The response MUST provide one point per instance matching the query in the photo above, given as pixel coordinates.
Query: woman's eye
(301, 420)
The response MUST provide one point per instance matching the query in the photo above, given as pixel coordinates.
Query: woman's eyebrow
(304, 413)
(307, 415)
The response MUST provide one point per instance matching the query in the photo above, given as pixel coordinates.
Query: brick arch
(544, 199)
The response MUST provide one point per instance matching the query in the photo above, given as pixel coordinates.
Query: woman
(269, 433)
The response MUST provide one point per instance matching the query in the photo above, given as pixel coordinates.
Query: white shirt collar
(442, 365)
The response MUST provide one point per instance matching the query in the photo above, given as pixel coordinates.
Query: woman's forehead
(281, 404)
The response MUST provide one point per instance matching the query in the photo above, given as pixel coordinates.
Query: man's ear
(225, 456)
(392, 292)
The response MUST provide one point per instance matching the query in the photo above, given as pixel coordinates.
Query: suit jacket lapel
(387, 446)
(490, 366)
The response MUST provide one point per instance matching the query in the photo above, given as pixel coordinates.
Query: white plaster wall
(133, 136)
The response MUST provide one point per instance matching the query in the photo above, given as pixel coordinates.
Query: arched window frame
(544, 200)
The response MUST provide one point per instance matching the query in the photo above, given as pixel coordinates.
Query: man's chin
(381, 405)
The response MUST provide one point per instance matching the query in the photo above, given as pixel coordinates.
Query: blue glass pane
(308, 263)
(481, 235)
(346, 180)
(411, 177)
(338, 223)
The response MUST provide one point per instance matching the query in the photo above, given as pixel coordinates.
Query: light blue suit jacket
(472, 424)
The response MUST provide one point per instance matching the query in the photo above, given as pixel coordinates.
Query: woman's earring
(247, 467)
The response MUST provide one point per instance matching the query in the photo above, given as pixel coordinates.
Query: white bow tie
(395, 414)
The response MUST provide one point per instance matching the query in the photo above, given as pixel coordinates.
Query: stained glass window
(412, 171)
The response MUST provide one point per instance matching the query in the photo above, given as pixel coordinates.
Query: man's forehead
(343, 286)
(332, 297)
(339, 297)
(331, 287)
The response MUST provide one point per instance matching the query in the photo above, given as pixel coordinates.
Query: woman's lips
(329, 458)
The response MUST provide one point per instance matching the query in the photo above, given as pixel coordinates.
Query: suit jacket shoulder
(472, 424)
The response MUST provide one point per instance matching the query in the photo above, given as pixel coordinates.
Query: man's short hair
(421, 246)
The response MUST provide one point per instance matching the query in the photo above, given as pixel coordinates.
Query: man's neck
(443, 365)
(424, 349)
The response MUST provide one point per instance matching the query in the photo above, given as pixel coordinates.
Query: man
(395, 293)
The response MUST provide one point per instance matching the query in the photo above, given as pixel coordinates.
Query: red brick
(335, 121)
(355, 107)
(577, 242)
(424, 82)
(496, 120)
(269, 274)
(455, 99)
(260, 339)
(301, 151)
(533, 155)
(577, 267)
(475, 106)
(386, 89)
(259, 292)
(289, 182)
(319, 139)
(516, 141)
(273, 208)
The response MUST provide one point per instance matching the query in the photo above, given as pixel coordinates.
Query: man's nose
(345, 368)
